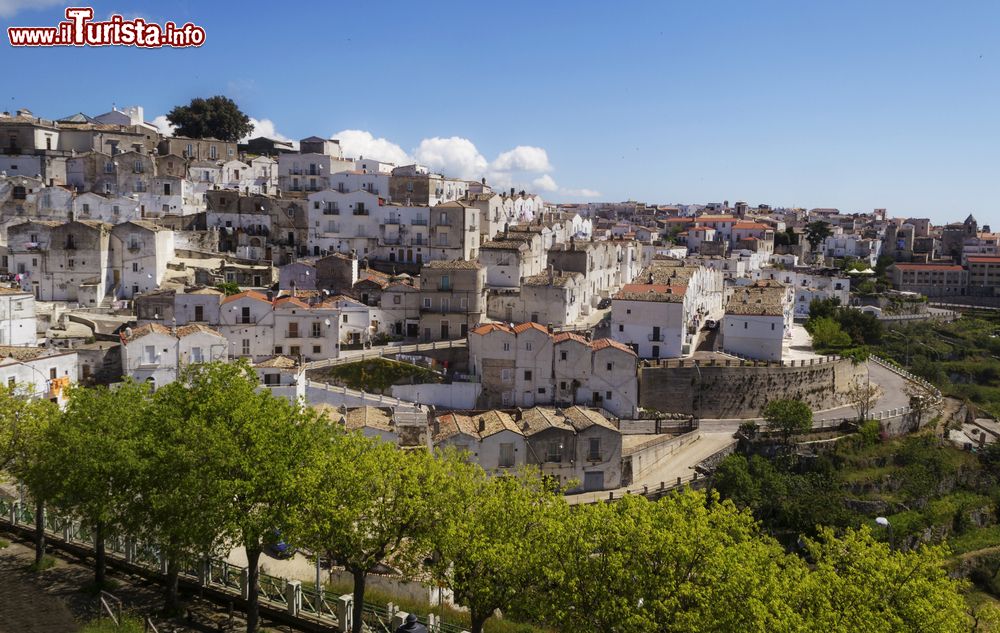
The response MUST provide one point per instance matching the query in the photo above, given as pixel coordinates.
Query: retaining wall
(741, 389)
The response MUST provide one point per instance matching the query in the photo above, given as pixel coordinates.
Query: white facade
(45, 373)
(156, 354)
(18, 326)
(140, 253)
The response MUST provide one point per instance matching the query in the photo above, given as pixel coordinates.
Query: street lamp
(884, 522)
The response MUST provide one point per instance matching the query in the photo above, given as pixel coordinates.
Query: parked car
(604, 303)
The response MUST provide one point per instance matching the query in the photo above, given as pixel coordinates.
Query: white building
(140, 251)
(43, 372)
(758, 319)
(18, 326)
(157, 354)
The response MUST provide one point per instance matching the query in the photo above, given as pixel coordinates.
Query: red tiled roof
(292, 300)
(487, 328)
(753, 226)
(602, 343)
(529, 325)
(942, 267)
(984, 259)
(569, 336)
(252, 294)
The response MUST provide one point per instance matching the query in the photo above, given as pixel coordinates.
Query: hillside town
(128, 254)
(351, 324)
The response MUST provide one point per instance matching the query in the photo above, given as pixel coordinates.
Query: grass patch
(975, 539)
(129, 624)
(377, 375)
(4, 543)
(47, 562)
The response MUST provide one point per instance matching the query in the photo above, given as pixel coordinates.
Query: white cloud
(545, 183)
(264, 127)
(163, 125)
(10, 7)
(454, 156)
(358, 143)
(580, 193)
(523, 158)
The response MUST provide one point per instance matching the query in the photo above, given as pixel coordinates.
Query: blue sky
(847, 104)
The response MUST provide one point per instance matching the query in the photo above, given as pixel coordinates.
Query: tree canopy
(788, 416)
(216, 117)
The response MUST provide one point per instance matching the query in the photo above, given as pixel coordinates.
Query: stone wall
(740, 389)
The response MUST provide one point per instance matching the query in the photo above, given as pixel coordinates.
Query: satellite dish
(327, 322)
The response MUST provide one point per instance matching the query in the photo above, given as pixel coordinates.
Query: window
(277, 350)
(527, 346)
(86, 208)
(109, 167)
(745, 325)
(150, 354)
(344, 318)
(505, 375)
(396, 299)
(294, 350)
(135, 267)
(541, 390)
(246, 347)
(506, 347)
(772, 327)
(594, 449)
(12, 383)
(562, 385)
(293, 330)
(506, 459)
(317, 329)
(196, 355)
(621, 328)
(272, 379)
(199, 313)
(445, 282)
(213, 152)
(527, 374)
(611, 366)
(553, 451)
(317, 349)
(607, 395)
(245, 315)
(427, 302)
(53, 373)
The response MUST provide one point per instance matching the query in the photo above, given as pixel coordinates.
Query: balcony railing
(331, 211)
(418, 221)
(656, 337)
(392, 219)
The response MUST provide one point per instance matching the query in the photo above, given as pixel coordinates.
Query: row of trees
(210, 463)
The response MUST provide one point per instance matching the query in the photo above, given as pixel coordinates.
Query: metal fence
(277, 593)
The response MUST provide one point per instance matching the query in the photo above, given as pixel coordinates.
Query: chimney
(511, 192)
(484, 180)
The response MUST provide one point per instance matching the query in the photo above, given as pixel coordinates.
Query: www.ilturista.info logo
(79, 29)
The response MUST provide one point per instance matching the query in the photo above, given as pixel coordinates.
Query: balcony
(418, 221)
(361, 211)
(292, 334)
(331, 211)
(392, 219)
(657, 338)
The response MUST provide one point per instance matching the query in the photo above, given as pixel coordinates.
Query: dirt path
(31, 603)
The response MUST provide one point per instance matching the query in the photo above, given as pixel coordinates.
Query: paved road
(680, 464)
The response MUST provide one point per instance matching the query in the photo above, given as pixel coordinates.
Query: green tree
(823, 308)
(228, 287)
(179, 504)
(683, 563)
(859, 584)
(788, 417)
(816, 233)
(216, 117)
(372, 503)
(826, 334)
(489, 552)
(23, 422)
(92, 459)
(260, 450)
